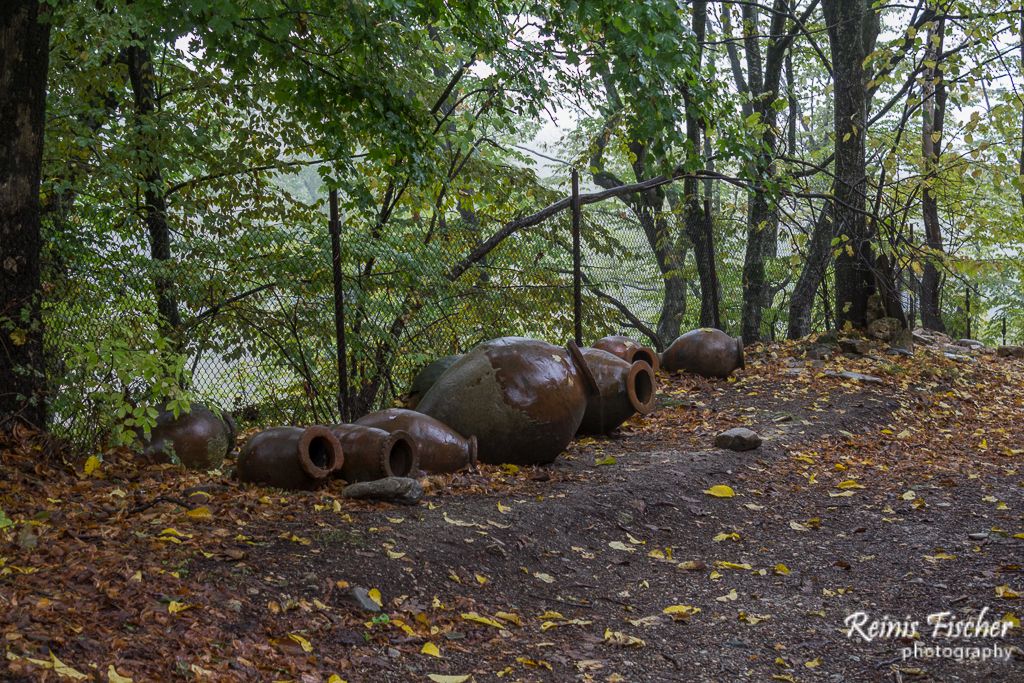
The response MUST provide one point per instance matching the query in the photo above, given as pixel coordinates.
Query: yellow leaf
(680, 612)
(510, 617)
(509, 468)
(722, 564)
(374, 595)
(201, 512)
(442, 678)
(619, 638)
(174, 607)
(335, 678)
(619, 545)
(841, 494)
(91, 465)
(65, 671)
(753, 619)
(782, 569)
(1012, 619)
(720, 491)
(481, 579)
(797, 526)
(731, 536)
(1004, 591)
(546, 578)
(457, 522)
(473, 616)
(114, 677)
(731, 596)
(813, 663)
(849, 484)
(430, 649)
(395, 555)
(303, 643)
(504, 509)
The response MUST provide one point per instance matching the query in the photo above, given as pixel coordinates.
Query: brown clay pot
(198, 439)
(521, 398)
(290, 457)
(629, 350)
(705, 351)
(623, 390)
(372, 453)
(426, 377)
(441, 448)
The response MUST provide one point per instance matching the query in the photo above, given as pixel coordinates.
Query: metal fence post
(1004, 330)
(334, 225)
(577, 275)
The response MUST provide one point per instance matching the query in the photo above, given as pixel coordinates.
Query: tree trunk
(801, 305)
(854, 281)
(933, 112)
(143, 80)
(24, 61)
(697, 220)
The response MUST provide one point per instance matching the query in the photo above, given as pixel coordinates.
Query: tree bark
(853, 265)
(697, 220)
(24, 62)
(143, 80)
(933, 112)
(801, 304)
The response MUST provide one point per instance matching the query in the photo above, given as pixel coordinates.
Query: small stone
(970, 343)
(958, 357)
(361, 597)
(978, 536)
(855, 376)
(234, 605)
(1010, 351)
(885, 329)
(855, 346)
(402, 490)
(897, 351)
(738, 439)
(819, 352)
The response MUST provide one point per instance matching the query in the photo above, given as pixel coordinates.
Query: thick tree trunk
(801, 305)
(670, 257)
(762, 226)
(24, 61)
(933, 112)
(854, 280)
(697, 220)
(143, 80)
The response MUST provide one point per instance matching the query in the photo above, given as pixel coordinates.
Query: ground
(898, 499)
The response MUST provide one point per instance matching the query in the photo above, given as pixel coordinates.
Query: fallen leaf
(430, 649)
(114, 677)
(174, 607)
(303, 643)
(681, 612)
(442, 678)
(473, 616)
(374, 595)
(720, 491)
(621, 639)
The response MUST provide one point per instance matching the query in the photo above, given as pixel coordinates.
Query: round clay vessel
(441, 448)
(623, 390)
(523, 399)
(372, 453)
(198, 439)
(290, 457)
(426, 377)
(705, 351)
(629, 350)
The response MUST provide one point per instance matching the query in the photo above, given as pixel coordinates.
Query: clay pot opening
(641, 386)
(319, 452)
(400, 458)
(648, 356)
(739, 353)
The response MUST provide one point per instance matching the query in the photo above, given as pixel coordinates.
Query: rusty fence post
(334, 225)
(577, 275)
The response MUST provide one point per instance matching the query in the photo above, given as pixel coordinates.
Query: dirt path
(902, 498)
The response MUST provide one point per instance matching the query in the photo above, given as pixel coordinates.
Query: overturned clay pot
(372, 453)
(441, 448)
(629, 350)
(290, 457)
(198, 439)
(426, 377)
(523, 399)
(705, 351)
(623, 390)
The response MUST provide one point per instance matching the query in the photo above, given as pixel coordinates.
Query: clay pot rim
(473, 447)
(740, 361)
(635, 370)
(652, 356)
(580, 361)
(632, 347)
(388, 446)
(335, 454)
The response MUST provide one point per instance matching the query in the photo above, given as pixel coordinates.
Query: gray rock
(855, 346)
(361, 597)
(738, 439)
(402, 490)
(970, 343)
(855, 376)
(958, 357)
(898, 351)
(885, 329)
(819, 352)
(1010, 351)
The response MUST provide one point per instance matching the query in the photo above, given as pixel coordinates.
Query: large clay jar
(441, 448)
(521, 398)
(623, 389)
(706, 351)
(426, 377)
(198, 439)
(290, 457)
(629, 350)
(372, 453)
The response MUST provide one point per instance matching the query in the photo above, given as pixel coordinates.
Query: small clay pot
(624, 389)
(290, 457)
(372, 453)
(441, 448)
(629, 350)
(198, 439)
(426, 377)
(706, 351)
(521, 398)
